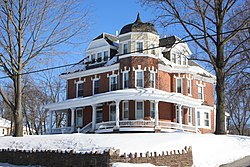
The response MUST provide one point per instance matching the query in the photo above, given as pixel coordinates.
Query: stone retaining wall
(71, 158)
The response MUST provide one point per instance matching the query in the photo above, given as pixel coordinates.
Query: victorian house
(136, 82)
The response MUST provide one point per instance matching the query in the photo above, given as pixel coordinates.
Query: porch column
(156, 113)
(195, 119)
(93, 117)
(117, 113)
(180, 114)
(50, 121)
(72, 119)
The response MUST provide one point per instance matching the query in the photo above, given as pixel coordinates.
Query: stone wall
(94, 159)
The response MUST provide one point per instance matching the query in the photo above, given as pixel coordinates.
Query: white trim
(151, 106)
(123, 110)
(93, 85)
(139, 70)
(202, 91)
(123, 80)
(139, 41)
(190, 114)
(125, 43)
(138, 54)
(136, 109)
(151, 72)
(91, 72)
(77, 83)
(116, 81)
(177, 78)
(134, 33)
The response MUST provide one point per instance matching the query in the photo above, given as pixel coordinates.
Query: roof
(108, 37)
(139, 26)
(169, 41)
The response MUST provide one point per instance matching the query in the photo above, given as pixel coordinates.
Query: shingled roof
(109, 38)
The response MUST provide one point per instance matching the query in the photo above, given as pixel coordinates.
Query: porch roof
(126, 94)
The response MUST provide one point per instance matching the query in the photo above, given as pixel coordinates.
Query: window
(189, 116)
(113, 83)
(206, 118)
(184, 60)
(125, 48)
(96, 86)
(178, 85)
(189, 83)
(152, 79)
(79, 118)
(92, 57)
(198, 118)
(139, 47)
(80, 88)
(125, 79)
(174, 57)
(106, 56)
(200, 92)
(139, 82)
(99, 114)
(112, 109)
(125, 110)
(179, 59)
(177, 114)
(152, 110)
(139, 110)
(152, 48)
(99, 57)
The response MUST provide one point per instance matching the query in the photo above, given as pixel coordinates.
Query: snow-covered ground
(208, 149)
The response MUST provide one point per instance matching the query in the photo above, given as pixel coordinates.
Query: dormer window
(99, 57)
(179, 59)
(139, 46)
(105, 55)
(92, 58)
(174, 58)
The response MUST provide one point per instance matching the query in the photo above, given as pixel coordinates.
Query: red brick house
(136, 81)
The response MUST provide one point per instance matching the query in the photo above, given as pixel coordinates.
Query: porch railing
(86, 128)
(146, 124)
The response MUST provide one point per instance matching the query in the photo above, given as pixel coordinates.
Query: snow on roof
(208, 149)
(5, 123)
(111, 61)
(78, 67)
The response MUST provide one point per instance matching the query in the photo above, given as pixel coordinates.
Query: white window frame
(116, 81)
(137, 110)
(189, 86)
(173, 58)
(199, 118)
(178, 61)
(184, 59)
(94, 56)
(136, 78)
(177, 114)
(123, 110)
(139, 41)
(77, 123)
(123, 79)
(206, 119)
(99, 54)
(190, 116)
(93, 85)
(112, 104)
(176, 85)
(202, 89)
(124, 47)
(77, 83)
(151, 72)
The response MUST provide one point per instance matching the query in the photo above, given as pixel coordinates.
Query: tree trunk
(220, 102)
(18, 116)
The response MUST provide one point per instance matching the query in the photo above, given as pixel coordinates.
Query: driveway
(244, 162)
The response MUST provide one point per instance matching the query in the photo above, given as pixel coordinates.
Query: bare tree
(29, 29)
(207, 23)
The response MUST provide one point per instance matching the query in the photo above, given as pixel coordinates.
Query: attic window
(92, 58)
(106, 55)
(139, 47)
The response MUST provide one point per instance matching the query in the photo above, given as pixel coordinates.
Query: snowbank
(208, 149)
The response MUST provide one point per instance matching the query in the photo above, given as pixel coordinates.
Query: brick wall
(94, 159)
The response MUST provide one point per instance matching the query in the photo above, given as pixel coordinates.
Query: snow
(111, 61)
(4, 123)
(76, 68)
(132, 165)
(208, 149)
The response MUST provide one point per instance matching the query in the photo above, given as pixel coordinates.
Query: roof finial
(138, 19)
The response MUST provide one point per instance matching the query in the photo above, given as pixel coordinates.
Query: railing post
(117, 114)
(156, 114)
(93, 117)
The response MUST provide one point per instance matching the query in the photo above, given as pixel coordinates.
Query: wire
(72, 64)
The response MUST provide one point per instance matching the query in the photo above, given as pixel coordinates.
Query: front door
(79, 118)
(99, 114)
